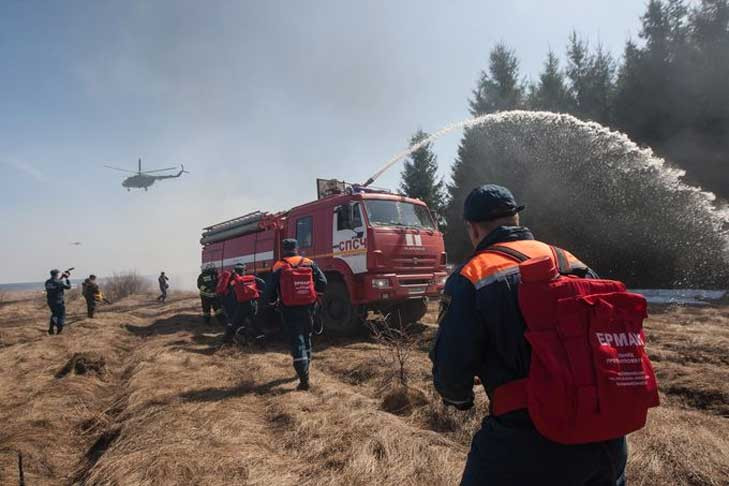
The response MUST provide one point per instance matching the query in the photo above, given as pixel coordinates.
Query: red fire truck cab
(379, 251)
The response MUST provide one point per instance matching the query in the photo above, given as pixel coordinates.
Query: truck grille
(408, 282)
(414, 262)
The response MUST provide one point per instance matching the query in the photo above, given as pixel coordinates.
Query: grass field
(144, 394)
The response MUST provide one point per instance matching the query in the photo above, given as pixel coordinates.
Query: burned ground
(149, 397)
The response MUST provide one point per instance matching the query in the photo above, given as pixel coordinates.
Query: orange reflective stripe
(291, 260)
(488, 266)
(297, 260)
(485, 265)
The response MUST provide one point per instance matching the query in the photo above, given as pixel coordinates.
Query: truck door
(349, 240)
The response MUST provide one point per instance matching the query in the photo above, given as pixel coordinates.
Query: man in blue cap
(54, 295)
(294, 282)
(481, 334)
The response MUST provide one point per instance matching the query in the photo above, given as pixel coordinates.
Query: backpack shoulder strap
(563, 263)
(560, 256)
(509, 252)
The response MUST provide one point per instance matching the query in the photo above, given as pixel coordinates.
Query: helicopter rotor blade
(123, 170)
(158, 170)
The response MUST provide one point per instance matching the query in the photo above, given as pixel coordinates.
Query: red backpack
(245, 288)
(223, 283)
(590, 378)
(297, 284)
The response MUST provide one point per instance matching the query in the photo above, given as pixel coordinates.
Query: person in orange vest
(295, 282)
(481, 335)
(246, 290)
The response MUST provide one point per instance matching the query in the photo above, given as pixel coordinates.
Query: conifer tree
(591, 78)
(420, 177)
(498, 89)
(551, 93)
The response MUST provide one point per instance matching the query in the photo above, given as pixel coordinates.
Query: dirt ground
(145, 395)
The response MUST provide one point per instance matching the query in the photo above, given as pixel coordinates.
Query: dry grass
(163, 404)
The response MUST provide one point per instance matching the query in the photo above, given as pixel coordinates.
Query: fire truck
(380, 251)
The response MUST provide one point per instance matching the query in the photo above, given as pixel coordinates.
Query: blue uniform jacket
(481, 331)
(54, 290)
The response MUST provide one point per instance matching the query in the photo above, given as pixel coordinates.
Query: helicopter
(142, 180)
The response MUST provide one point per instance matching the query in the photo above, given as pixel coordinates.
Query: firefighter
(207, 282)
(481, 334)
(92, 294)
(163, 286)
(54, 294)
(294, 282)
(246, 289)
(226, 297)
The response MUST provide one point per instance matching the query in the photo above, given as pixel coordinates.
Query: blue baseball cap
(490, 202)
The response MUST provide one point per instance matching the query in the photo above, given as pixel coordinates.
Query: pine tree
(709, 31)
(420, 177)
(578, 65)
(551, 93)
(591, 78)
(500, 88)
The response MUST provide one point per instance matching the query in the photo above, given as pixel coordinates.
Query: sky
(256, 99)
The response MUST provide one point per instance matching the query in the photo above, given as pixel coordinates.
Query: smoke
(593, 191)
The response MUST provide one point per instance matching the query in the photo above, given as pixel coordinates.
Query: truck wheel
(338, 314)
(410, 311)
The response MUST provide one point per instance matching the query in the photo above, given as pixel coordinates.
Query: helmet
(240, 267)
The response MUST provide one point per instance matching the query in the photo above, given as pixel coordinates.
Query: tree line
(669, 92)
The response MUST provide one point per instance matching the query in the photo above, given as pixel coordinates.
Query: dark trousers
(503, 454)
(90, 306)
(298, 325)
(163, 295)
(300, 344)
(58, 316)
(211, 304)
(243, 321)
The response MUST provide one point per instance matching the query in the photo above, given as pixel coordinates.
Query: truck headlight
(380, 283)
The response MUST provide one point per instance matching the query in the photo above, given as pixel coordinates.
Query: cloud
(25, 168)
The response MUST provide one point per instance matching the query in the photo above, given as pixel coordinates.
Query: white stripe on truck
(229, 262)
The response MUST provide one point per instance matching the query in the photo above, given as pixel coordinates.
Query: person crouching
(247, 290)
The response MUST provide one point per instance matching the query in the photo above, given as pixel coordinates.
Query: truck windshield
(397, 213)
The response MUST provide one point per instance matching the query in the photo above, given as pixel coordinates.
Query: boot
(303, 384)
(228, 336)
(50, 330)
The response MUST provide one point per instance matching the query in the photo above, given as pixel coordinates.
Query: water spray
(471, 122)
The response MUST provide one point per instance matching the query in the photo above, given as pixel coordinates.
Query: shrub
(399, 342)
(121, 285)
